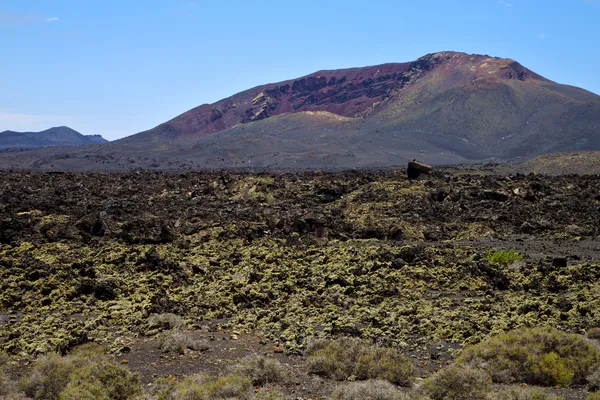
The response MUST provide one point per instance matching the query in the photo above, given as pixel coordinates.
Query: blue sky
(120, 67)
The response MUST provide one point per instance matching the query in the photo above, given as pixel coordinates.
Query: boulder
(416, 168)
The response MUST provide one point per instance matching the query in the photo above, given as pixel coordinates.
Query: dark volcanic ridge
(444, 108)
(58, 136)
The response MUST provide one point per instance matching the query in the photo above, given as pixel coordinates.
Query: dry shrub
(519, 393)
(349, 357)
(372, 390)
(103, 380)
(457, 383)
(176, 341)
(87, 373)
(203, 387)
(263, 370)
(165, 321)
(538, 356)
(593, 396)
(593, 333)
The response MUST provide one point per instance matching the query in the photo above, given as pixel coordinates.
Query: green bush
(203, 387)
(525, 394)
(50, 376)
(504, 257)
(457, 383)
(87, 373)
(539, 356)
(372, 390)
(593, 396)
(175, 341)
(345, 358)
(263, 370)
(102, 380)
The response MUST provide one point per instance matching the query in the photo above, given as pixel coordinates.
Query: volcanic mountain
(58, 136)
(444, 108)
(465, 106)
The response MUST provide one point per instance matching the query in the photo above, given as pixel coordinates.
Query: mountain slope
(58, 136)
(471, 106)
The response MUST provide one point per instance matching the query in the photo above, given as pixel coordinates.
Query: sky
(116, 68)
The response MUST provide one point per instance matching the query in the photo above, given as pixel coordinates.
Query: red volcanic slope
(348, 92)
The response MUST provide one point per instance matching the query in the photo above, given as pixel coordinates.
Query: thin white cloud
(504, 3)
(542, 36)
(24, 19)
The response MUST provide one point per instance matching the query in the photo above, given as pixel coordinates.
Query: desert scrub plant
(593, 380)
(457, 382)
(349, 357)
(372, 390)
(263, 370)
(203, 387)
(504, 257)
(593, 333)
(269, 394)
(102, 380)
(165, 321)
(49, 376)
(87, 373)
(176, 341)
(519, 393)
(539, 356)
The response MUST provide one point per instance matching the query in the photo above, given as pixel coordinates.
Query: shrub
(270, 394)
(202, 387)
(102, 380)
(177, 341)
(525, 394)
(49, 377)
(348, 357)
(593, 333)
(263, 370)
(87, 373)
(4, 383)
(593, 396)
(457, 383)
(372, 390)
(165, 321)
(504, 257)
(594, 381)
(539, 356)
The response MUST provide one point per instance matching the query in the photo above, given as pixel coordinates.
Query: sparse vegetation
(176, 341)
(542, 356)
(593, 333)
(165, 321)
(458, 383)
(85, 374)
(372, 390)
(504, 257)
(202, 387)
(520, 393)
(263, 370)
(345, 358)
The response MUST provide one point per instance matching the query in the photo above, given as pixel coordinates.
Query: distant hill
(59, 136)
